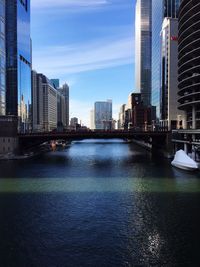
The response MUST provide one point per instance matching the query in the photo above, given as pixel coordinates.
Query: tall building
(49, 97)
(169, 74)
(37, 101)
(18, 62)
(56, 82)
(143, 43)
(92, 126)
(73, 123)
(188, 62)
(61, 112)
(121, 121)
(103, 115)
(160, 10)
(64, 90)
(2, 60)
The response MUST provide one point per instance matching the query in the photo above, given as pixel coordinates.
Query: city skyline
(94, 56)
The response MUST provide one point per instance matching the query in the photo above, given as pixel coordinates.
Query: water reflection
(98, 204)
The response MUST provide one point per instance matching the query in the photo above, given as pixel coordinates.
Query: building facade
(143, 44)
(2, 60)
(49, 98)
(160, 10)
(188, 63)
(103, 115)
(37, 101)
(121, 121)
(64, 90)
(92, 126)
(61, 112)
(18, 62)
(188, 138)
(56, 83)
(169, 113)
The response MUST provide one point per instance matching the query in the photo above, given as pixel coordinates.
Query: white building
(92, 124)
(169, 74)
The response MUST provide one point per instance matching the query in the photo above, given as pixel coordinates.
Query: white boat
(183, 161)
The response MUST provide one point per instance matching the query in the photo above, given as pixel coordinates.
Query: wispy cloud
(67, 3)
(100, 54)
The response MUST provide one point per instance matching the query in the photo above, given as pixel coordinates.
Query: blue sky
(90, 45)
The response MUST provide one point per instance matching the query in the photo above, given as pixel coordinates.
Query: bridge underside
(157, 139)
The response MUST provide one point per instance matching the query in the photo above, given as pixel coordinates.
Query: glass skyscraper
(2, 59)
(18, 62)
(160, 10)
(103, 115)
(143, 42)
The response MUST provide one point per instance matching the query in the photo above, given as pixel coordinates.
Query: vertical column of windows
(2, 57)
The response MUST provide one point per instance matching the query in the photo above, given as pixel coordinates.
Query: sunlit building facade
(103, 115)
(170, 115)
(18, 63)
(160, 10)
(143, 43)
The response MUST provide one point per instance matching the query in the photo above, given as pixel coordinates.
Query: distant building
(103, 115)
(135, 115)
(143, 46)
(55, 82)
(92, 125)
(49, 105)
(37, 101)
(61, 111)
(121, 121)
(73, 123)
(18, 62)
(169, 74)
(64, 90)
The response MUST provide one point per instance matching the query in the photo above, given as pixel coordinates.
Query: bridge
(158, 139)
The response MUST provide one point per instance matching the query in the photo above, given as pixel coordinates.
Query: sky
(89, 44)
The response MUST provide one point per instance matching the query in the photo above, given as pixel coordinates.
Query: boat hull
(183, 167)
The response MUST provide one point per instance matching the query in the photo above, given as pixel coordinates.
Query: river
(98, 203)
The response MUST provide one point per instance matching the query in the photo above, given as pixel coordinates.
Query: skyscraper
(143, 39)
(103, 115)
(18, 62)
(2, 59)
(64, 90)
(160, 10)
(169, 74)
(188, 63)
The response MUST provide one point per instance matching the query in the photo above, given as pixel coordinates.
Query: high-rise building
(56, 82)
(2, 60)
(49, 98)
(169, 74)
(61, 111)
(121, 121)
(92, 126)
(73, 122)
(188, 62)
(37, 101)
(160, 10)
(18, 62)
(103, 115)
(143, 43)
(64, 90)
